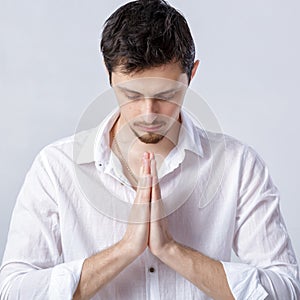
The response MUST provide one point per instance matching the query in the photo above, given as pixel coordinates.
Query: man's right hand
(102, 267)
(137, 233)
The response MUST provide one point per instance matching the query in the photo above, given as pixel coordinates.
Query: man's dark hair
(144, 34)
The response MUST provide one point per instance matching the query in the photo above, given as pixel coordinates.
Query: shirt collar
(95, 145)
(189, 138)
(188, 141)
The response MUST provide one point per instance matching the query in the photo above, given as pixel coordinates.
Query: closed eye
(133, 96)
(166, 97)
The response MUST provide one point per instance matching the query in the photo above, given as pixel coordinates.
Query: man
(61, 247)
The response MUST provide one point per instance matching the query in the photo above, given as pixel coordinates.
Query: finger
(140, 212)
(157, 208)
(143, 194)
(144, 183)
(146, 163)
(151, 155)
(156, 195)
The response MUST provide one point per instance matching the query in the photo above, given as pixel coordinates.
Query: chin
(151, 138)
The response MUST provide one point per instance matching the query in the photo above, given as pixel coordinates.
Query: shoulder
(59, 157)
(68, 148)
(212, 141)
(234, 150)
(217, 140)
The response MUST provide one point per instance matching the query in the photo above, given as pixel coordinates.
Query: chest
(87, 228)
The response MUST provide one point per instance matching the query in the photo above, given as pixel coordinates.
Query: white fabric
(54, 228)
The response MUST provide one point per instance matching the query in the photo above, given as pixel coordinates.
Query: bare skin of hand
(159, 236)
(148, 228)
(147, 223)
(102, 267)
(203, 271)
(137, 233)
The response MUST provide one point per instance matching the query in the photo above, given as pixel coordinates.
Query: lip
(150, 128)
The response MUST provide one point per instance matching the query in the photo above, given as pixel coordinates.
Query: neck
(129, 149)
(133, 146)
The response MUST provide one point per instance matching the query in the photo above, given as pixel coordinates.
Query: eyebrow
(124, 89)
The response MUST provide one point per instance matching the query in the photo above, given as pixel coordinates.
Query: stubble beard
(150, 137)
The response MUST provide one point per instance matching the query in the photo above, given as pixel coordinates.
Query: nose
(150, 110)
(150, 105)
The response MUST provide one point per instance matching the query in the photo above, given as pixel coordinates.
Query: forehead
(150, 86)
(168, 74)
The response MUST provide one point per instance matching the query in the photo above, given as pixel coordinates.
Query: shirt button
(151, 270)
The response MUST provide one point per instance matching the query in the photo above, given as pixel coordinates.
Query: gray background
(50, 70)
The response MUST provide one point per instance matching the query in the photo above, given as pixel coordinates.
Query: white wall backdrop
(50, 70)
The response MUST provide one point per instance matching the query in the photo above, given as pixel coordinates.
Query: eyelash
(166, 98)
(133, 97)
(169, 97)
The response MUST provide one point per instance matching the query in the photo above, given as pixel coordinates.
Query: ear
(195, 67)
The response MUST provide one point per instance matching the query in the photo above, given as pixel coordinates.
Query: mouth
(150, 128)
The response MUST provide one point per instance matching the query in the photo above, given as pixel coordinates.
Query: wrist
(167, 250)
(129, 250)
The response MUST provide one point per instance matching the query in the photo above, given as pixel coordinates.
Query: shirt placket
(152, 278)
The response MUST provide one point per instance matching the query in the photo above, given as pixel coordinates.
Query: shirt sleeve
(33, 266)
(268, 267)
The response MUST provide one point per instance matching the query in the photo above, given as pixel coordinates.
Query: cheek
(129, 112)
(171, 110)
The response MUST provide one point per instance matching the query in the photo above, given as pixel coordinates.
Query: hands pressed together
(147, 225)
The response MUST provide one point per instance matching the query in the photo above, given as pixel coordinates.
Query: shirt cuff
(244, 281)
(64, 280)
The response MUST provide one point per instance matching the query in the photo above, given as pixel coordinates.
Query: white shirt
(63, 215)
